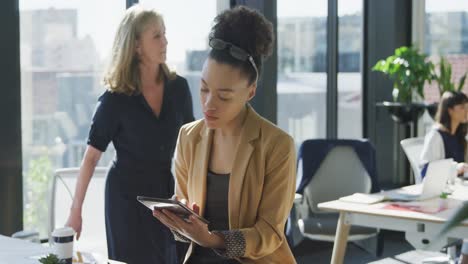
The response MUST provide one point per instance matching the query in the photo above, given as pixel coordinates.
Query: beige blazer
(261, 188)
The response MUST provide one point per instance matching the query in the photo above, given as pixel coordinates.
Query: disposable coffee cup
(62, 243)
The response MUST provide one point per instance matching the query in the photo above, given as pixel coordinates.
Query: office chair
(328, 170)
(413, 148)
(93, 236)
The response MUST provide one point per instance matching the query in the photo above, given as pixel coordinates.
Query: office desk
(23, 252)
(419, 228)
(19, 251)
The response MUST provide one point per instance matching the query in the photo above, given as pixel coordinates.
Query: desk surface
(19, 251)
(454, 201)
(377, 216)
(24, 252)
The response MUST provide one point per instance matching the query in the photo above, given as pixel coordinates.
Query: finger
(196, 208)
(78, 234)
(168, 224)
(196, 221)
(165, 220)
(184, 201)
(173, 217)
(176, 219)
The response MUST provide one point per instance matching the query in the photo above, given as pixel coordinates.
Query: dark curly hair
(248, 30)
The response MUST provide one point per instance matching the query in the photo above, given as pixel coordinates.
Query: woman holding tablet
(140, 113)
(234, 168)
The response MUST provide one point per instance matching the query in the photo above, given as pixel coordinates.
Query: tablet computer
(174, 206)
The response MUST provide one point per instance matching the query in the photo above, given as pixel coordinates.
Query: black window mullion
(11, 178)
(131, 2)
(332, 69)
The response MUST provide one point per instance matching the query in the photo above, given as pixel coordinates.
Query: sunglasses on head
(235, 52)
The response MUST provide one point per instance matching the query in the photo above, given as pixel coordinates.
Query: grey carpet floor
(396, 251)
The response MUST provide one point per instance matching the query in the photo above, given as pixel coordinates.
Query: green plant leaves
(51, 259)
(409, 70)
(444, 78)
(461, 83)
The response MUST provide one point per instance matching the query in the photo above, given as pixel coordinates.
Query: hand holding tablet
(174, 206)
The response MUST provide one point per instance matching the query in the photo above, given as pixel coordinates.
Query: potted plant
(51, 259)
(409, 69)
(444, 82)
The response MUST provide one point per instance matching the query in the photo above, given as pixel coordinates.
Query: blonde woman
(140, 113)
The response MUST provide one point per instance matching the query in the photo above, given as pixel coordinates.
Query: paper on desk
(427, 206)
(363, 198)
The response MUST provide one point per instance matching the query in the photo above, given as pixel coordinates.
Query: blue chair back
(312, 152)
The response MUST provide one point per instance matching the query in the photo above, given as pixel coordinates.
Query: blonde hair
(123, 73)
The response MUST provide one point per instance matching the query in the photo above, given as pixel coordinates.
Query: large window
(302, 77)
(302, 68)
(446, 34)
(187, 32)
(64, 48)
(349, 68)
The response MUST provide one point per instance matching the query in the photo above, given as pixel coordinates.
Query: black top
(141, 138)
(216, 208)
(216, 211)
(453, 148)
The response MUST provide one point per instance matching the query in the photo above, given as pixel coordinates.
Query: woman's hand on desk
(75, 221)
(462, 167)
(195, 230)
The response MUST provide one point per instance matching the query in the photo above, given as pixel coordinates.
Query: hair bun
(245, 28)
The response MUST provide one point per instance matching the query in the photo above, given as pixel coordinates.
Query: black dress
(144, 145)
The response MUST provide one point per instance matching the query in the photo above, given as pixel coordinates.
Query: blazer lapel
(202, 154)
(250, 132)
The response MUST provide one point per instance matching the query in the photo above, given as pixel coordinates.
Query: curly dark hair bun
(248, 30)
(245, 28)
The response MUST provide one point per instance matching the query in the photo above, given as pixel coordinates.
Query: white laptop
(437, 174)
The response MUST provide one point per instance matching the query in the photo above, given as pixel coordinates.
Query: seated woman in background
(447, 138)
